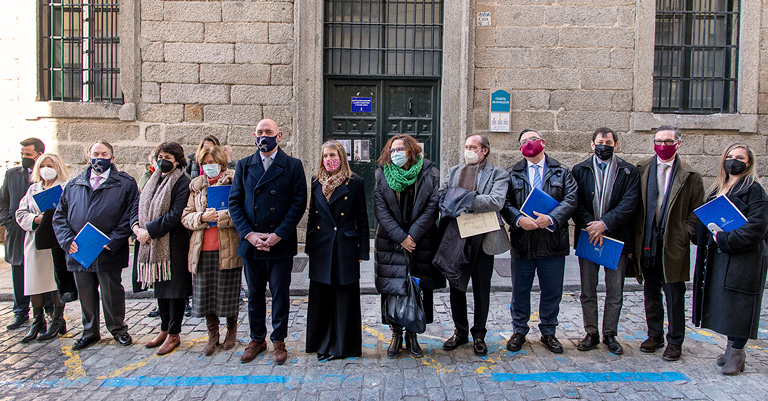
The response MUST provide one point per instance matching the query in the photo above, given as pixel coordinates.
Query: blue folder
(539, 201)
(722, 212)
(607, 255)
(49, 198)
(218, 198)
(90, 242)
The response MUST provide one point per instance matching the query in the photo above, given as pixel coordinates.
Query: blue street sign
(362, 104)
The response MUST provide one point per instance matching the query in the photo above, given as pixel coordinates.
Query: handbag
(406, 310)
(44, 235)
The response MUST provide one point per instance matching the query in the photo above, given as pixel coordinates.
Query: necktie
(602, 166)
(267, 162)
(536, 176)
(96, 182)
(661, 179)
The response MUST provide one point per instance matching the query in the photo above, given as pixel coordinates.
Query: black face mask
(165, 166)
(26, 162)
(735, 167)
(604, 152)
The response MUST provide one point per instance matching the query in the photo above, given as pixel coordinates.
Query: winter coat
(337, 232)
(108, 208)
(729, 279)
(559, 184)
(191, 218)
(14, 188)
(389, 259)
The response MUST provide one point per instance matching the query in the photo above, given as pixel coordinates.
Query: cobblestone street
(51, 370)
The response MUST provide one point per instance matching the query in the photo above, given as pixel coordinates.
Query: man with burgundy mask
(669, 191)
(540, 242)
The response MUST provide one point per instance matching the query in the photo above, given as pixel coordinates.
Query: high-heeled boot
(724, 357)
(735, 363)
(397, 341)
(58, 325)
(212, 322)
(38, 325)
(412, 344)
(230, 340)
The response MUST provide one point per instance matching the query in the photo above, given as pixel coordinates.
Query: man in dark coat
(14, 188)
(102, 196)
(608, 191)
(266, 202)
(665, 223)
(540, 242)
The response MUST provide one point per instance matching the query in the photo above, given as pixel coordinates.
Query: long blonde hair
(750, 175)
(335, 145)
(62, 173)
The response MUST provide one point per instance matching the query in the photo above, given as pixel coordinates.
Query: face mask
(399, 158)
(26, 162)
(665, 152)
(47, 173)
(604, 152)
(471, 157)
(532, 148)
(165, 166)
(211, 170)
(331, 165)
(735, 167)
(99, 166)
(266, 143)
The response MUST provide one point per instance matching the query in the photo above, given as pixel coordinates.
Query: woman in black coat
(164, 242)
(337, 241)
(731, 266)
(405, 202)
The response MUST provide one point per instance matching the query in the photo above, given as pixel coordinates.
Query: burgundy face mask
(532, 148)
(665, 152)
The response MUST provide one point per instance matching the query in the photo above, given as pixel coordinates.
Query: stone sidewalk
(41, 371)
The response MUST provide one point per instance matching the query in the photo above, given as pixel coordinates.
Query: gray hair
(523, 132)
(678, 134)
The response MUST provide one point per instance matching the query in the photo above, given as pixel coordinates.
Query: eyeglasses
(533, 139)
(666, 142)
(393, 150)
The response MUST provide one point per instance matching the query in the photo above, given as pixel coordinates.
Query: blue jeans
(550, 271)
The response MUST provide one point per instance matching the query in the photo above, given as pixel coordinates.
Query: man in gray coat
(489, 183)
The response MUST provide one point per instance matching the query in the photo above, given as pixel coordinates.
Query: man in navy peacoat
(266, 203)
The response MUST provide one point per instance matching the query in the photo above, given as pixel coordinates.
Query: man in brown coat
(670, 191)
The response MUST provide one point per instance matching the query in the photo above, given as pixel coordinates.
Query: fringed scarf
(154, 259)
(330, 182)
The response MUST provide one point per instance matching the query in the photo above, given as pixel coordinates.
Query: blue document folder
(607, 255)
(49, 198)
(218, 198)
(90, 242)
(722, 212)
(539, 201)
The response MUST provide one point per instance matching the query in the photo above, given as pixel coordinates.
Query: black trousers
(20, 301)
(481, 292)
(109, 286)
(65, 279)
(171, 314)
(654, 307)
(276, 272)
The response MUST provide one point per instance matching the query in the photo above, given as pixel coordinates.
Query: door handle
(410, 106)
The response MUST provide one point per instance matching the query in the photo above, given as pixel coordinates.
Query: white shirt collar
(103, 175)
(540, 163)
(264, 157)
(658, 161)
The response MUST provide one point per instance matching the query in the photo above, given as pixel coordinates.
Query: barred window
(80, 52)
(696, 56)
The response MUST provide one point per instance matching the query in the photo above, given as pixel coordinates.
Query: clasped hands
(263, 241)
(142, 235)
(529, 224)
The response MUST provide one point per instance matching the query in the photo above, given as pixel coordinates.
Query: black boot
(412, 344)
(397, 341)
(38, 325)
(58, 325)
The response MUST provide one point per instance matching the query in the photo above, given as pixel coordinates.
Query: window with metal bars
(696, 56)
(383, 37)
(80, 53)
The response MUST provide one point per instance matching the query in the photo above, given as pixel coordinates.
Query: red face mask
(331, 165)
(665, 152)
(532, 148)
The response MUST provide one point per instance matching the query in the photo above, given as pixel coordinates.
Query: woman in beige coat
(213, 260)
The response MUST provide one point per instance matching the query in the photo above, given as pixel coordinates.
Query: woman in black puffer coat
(405, 203)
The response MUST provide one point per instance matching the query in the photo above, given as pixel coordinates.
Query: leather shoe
(480, 348)
(18, 321)
(84, 343)
(590, 342)
(516, 342)
(322, 357)
(552, 344)
(454, 342)
(280, 354)
(613, 345)
(672, 353)
(253, 350)
(334, 357)
(651, 344)
(124, 339)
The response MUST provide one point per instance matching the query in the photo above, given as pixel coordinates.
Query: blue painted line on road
(181, 381)
(589, 377)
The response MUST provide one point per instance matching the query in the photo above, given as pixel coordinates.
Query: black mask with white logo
(735, 167)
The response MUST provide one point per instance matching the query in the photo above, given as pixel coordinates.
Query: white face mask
(47, 173)
(211, 170)
(471, 157)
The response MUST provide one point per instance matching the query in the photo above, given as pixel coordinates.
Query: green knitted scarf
(399, 178)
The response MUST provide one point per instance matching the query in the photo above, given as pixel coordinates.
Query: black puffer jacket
(389, 259)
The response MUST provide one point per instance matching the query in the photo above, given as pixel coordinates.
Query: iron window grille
(80, 52)
(696, 56)
(383, 37)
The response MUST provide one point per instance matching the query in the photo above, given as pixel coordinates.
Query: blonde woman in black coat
(337, 241)
(731, 266)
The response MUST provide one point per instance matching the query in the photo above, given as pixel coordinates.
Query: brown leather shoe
(280, 354)
(170, 344)
(672, 353)
(157, 341)
(651, 344)
(253, 350)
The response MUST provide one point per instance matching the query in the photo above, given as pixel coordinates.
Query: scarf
(330, 182)
(154, 259)
(468, 176)
(399, 178)
(603, 186)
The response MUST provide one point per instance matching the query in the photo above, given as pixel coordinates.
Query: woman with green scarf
(405, 203)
